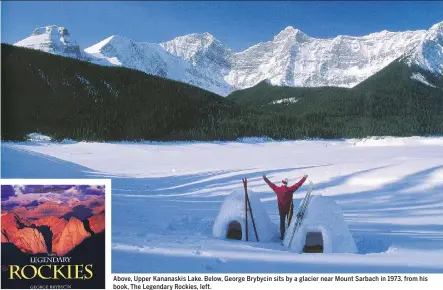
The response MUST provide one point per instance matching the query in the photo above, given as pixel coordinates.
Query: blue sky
(238, 24)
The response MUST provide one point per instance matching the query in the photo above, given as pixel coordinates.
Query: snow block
(230, 222)
(323, 229)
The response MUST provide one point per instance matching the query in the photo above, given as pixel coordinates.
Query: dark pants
(283, 216)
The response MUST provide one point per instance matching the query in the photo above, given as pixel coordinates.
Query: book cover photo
(53, 236)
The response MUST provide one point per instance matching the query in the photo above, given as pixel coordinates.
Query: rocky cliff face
(11, 223)
(55, 224)
(72, 235)
(18, 231)
(428, 53)
(30, 240)
(51, 233)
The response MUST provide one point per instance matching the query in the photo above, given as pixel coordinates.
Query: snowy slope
(390, 191)
(292, 58)
(147, 57)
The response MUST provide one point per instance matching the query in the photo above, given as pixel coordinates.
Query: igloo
(323, 229)
(230, 222)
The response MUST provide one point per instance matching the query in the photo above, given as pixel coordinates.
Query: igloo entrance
(231, 220)
(314, 243)
(234, 231)
(323, 230)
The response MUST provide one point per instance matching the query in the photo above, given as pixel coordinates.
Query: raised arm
(271, 185)
(298, 184)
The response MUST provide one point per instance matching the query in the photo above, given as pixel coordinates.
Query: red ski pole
(252, 218)
(246, 206)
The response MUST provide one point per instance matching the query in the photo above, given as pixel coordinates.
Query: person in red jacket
(284, 199)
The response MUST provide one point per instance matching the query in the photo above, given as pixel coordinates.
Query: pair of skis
(301, 212)
(248, 204)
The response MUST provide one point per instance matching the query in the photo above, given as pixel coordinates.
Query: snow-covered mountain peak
(51, 29)
(437, 27)
(194, 42)
(289, 29)
(203, 39)
(190, 46)
(118, 38)
(123, 51)
(113, 40)
(53, 39)
(208, 36)
(291, 33)
(378, 34)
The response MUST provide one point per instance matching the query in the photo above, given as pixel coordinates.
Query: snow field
(167, 196)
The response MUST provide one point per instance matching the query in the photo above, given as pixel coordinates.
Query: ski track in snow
(166, 197)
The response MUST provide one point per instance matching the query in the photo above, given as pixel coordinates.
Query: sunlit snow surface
(166, 197)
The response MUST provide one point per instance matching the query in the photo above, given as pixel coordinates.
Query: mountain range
(49, 227)
(291, 59)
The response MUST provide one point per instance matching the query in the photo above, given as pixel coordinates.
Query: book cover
(53, 236)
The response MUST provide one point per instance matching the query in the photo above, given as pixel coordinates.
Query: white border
(106, 183)
(314, 281)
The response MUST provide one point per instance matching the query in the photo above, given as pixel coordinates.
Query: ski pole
(252, 218)
(246, 206)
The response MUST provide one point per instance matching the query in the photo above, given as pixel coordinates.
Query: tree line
(68, 98)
